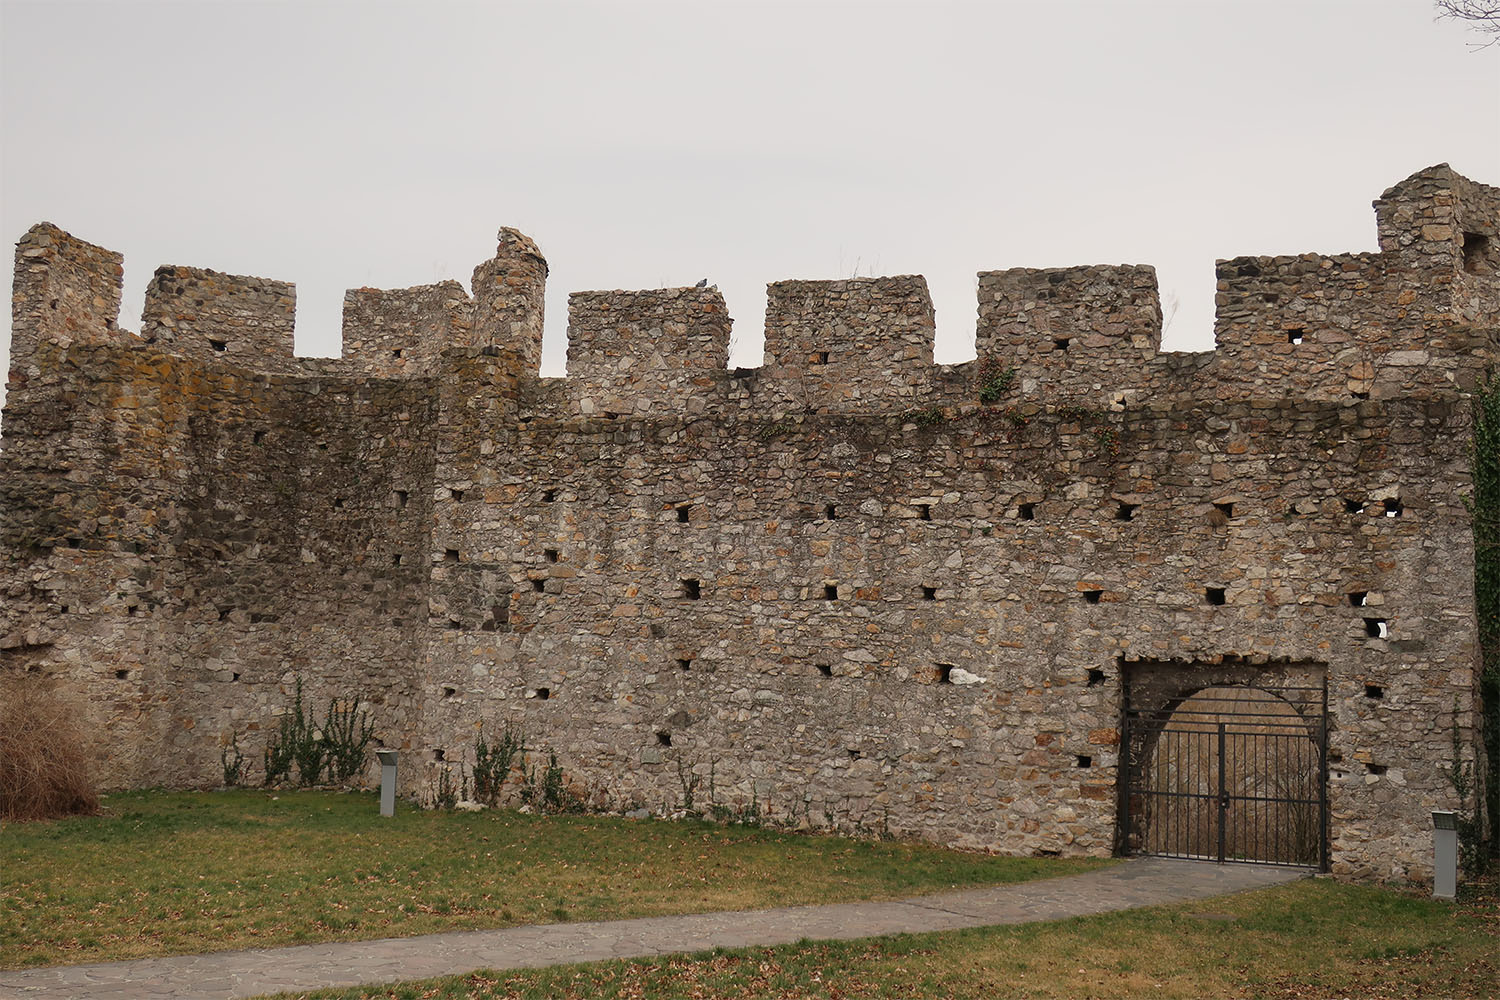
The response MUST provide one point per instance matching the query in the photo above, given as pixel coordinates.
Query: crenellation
(509, 299)
(649, 351)
(398, 332)
(868, 592)
(857, 345)
(232, 318)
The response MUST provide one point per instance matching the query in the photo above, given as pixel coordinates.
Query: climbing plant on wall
(1484, 506)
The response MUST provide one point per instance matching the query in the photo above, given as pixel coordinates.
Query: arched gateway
(1226, 762)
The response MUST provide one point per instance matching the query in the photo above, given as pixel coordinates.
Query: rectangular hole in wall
(825, 670)
(549, 496)
(690, 589)
(1476, 253)
(1360, 395)
(945, 673)
(929, 593)
(450, 555)
(1393, 507)
(1376, 628)
(439, 753)
(1061, 344)
(820, 357)
(396, 559)
(1214, 595)
(258, 437)
(449, 692)
(663, 738)
(1096, 677)
(454, 625)
(1294, 335)
(1376, 769)
(1357, 598)
(538, 586)
(401, 497)
(1227, 509)
(458, 496)
(924, 511)
(396, 353)
(218, 345)
(1084, 760)
(684, 663)
(1374, 691)
(684, 514)
(1126, 511)
(234, 677)
(551, 554)
(830, 512)
(122, 675)
(830, 592)
(1092, 596)
(1027, 512)
(1354, 506)
(338, 503)
(542, 694)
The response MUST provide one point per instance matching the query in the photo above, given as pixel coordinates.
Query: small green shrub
(994, 380)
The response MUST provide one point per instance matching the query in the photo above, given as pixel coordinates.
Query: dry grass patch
(44, 770)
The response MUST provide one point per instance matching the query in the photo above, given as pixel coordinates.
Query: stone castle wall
(840, 586)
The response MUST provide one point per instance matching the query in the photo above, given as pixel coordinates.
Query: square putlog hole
(1026, 512)
(1092, 596)
(1126, 511)
(690, 589)
(825, 669)
(1374, 691)
(1377, 628)
(830, 592)
(1214, 595)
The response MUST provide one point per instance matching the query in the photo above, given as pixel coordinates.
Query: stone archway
(1219, 767)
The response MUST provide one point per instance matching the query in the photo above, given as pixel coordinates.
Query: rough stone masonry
(852, 587)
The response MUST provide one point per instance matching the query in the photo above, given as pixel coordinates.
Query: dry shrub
(44, 771)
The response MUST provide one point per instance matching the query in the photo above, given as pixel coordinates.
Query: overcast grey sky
(645, 144)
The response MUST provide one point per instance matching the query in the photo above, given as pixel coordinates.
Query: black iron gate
(1230, 773)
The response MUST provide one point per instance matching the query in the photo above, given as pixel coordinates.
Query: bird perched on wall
(702, 283)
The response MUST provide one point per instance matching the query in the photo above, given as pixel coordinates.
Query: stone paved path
(1142, 882)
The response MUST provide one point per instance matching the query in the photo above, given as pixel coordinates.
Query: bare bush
(44, 771)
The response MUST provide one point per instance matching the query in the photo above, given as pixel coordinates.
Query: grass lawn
(1314, 938)
(173, 873)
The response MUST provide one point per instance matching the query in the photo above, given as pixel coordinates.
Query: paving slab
(233, 974)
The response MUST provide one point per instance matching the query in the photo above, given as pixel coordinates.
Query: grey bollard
(1444, 855)
(387, 782)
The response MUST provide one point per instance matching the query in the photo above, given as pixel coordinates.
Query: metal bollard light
(1444, 855)
(387, 782)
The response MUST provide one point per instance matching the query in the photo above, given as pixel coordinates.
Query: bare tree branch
(1482, 15)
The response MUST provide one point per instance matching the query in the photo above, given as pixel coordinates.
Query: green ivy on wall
(1484, 507)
